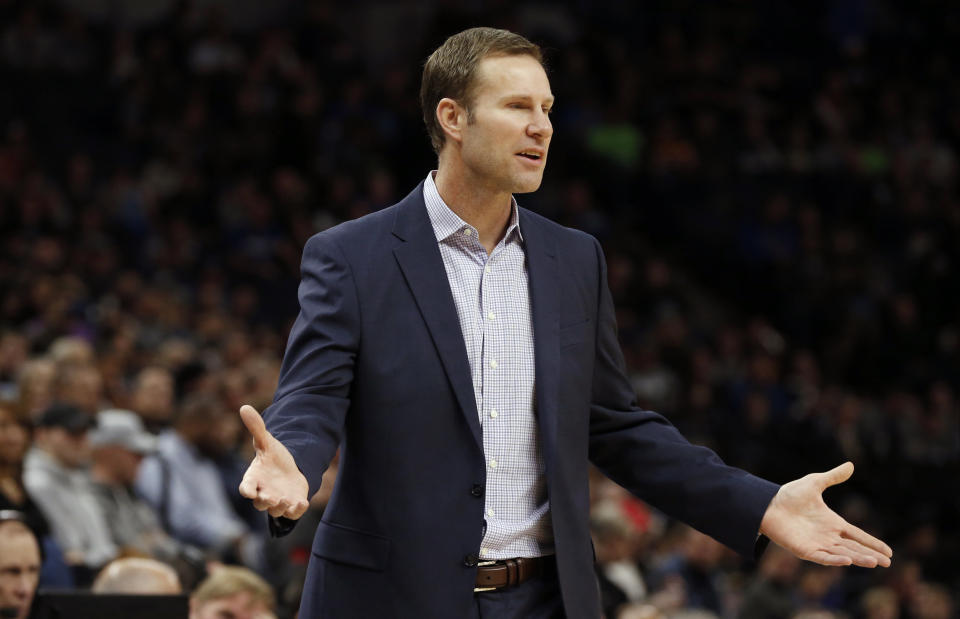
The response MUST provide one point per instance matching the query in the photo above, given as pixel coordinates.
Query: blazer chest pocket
(350, 546)
(575, 332)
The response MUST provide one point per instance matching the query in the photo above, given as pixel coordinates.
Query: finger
(835, 476)
(279, 509)
(861, 536)
(862, 555)
(261, 505)
(248, 487)
(824, 557)
(297, 510)
(858, 554)
(255, 426)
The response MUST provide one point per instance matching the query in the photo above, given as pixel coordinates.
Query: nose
(540, 126)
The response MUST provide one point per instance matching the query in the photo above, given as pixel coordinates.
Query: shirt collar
(446, 223)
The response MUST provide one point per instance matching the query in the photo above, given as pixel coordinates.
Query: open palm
(800, 521)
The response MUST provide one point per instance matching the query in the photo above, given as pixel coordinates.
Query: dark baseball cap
(66, 416)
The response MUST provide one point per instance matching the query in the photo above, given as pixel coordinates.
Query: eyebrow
(549, 100)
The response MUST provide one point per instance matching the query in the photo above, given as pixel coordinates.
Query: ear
(452, 117)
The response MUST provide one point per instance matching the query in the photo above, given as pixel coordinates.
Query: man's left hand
(798, 520)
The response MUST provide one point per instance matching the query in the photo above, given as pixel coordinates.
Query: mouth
(532, 155)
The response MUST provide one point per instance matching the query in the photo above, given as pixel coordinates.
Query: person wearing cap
(55, 476)
(118, 445)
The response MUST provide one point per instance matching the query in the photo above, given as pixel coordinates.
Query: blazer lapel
(422, 265)
(544, 276)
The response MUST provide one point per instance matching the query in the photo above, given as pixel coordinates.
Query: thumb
(837, 475)
(255, 426)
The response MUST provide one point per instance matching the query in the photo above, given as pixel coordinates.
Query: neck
(485, 208)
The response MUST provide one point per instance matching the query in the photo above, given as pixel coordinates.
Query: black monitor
(85, 605)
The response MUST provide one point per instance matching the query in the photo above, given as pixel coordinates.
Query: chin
(528, 185)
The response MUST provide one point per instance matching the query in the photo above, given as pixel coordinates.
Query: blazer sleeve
(313, 395)
(644, 453)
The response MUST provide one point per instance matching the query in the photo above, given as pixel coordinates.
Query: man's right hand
(272, 480)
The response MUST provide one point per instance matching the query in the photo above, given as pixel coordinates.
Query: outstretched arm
(799, 520)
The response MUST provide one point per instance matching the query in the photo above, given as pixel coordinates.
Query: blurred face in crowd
(19, 568)
(71, 449)
(81, 386)
(122, 463)
(14, 438)
(240, 605)
(506, 133)
(153, 395)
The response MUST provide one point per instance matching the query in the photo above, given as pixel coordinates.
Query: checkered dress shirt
(493, 305)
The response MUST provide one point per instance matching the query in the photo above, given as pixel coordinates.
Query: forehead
(18, 548)
(499, 76)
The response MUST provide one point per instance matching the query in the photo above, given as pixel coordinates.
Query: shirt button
(494, 413)
(467, 232)
(471, 560)
(493, 464)
(490, 513)
(484, 552)
(476, 490)
(493, 363)
(491, 316)
(486, 269)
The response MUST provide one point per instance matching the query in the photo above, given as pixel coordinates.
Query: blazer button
(477, 490)
(471, 560)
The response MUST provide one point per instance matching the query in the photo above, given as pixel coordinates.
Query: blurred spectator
(80, 385)
(770, 595)
(694, 567)
(19, 566)
(55, 477)
(35, 386)
(14, 441)
(182, 482)
(880, 603)
(617, 557)
(233, 592)
(119, 444)
(152, 398)
(137, 575)
(933, 601)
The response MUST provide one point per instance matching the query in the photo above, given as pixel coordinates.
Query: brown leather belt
(492, 575)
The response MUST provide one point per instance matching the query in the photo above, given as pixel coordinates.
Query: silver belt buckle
(482, 589)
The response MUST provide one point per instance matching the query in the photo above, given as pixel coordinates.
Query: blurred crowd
(774, 184)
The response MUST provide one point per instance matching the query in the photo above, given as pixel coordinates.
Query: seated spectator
(152, 397)
(54, 476)
(14, 440)
(137, 576)
(695, 566)
(771, 594)
(234, 592)
(19, 566)
(118, 445)
(182, 482)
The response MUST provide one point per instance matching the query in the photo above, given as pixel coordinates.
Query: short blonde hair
(230, 580)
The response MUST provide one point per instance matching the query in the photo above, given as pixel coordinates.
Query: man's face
(504, 143)
(70, 448)
(19, 569)
(238, 606)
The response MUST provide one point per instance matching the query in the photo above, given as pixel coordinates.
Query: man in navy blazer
(383, 362)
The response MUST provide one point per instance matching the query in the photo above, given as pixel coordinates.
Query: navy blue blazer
(376, 363)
